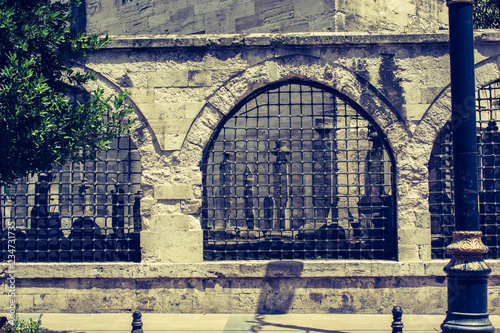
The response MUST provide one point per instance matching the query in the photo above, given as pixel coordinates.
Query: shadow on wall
(276, 296)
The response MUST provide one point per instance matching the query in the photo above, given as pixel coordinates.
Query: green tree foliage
(39, 125)
(486, 14)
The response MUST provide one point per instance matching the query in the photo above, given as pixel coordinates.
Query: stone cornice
(234, 269)
(308, 39)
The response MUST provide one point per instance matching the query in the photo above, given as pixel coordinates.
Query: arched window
(441, 201)
(298, 172)
(80, 212)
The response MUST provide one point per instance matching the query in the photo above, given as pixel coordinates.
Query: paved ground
(228, 323)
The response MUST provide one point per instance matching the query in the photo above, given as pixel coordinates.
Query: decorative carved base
(467, 251)
(467, 243)
(467, 276)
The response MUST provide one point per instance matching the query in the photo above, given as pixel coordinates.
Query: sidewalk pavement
(229, 323)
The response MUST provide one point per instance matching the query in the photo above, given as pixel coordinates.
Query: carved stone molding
(467, 251)
(467, 243)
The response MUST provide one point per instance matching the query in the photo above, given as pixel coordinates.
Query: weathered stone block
(170, 121)
(169, 223)
(173, 192)
(147, 205)
(413, 236)
(137, 26)
(167, 111)
(303, 8)
(173, 126)
(174, 78)
(206, 7)
(223, 100)
(424, 252)
(412, 94)
(182, 14)
(429, 94)
(52, 300)
(414, 112)
(171, 141)
(132, 79)
(141, 95)
(199, 78)
(25, 302)
(173, 239)
(191, 207)
(173, 246)
(423, 219)
(192, 109)
(199, 134)
(6, 302)
(245, 23)
(408, 253)
(243, 9)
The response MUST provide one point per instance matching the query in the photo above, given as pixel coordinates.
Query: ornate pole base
(467, 276)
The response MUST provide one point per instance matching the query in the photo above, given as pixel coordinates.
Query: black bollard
(137, 323)
(397, 324)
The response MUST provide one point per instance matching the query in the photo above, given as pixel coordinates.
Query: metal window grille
(441, 201)
(297, 172)
(80, 212)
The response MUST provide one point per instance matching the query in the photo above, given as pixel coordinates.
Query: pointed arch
(298, 170)
(80, 212)
(142, 135)
(436, 123)
(294, 67)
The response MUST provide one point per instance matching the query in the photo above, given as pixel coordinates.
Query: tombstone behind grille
(298, 173)
(79, 212)
(441, 201)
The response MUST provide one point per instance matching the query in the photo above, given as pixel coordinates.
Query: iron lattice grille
(441, 201)
(79, 212)
(298, 173)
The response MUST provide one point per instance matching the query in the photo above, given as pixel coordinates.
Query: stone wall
(239, 287)
(135, 17)
(181, 88)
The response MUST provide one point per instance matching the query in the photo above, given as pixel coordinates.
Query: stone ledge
(289, 39)
(234, 269)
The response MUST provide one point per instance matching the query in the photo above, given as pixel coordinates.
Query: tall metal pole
(467, 273)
